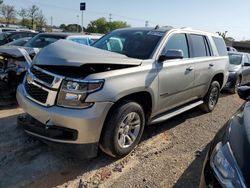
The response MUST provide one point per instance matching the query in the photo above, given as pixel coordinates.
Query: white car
(84, 39)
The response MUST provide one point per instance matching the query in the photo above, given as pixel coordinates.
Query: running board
(176, 112)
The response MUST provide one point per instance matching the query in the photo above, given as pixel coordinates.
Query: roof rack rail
(186, 28)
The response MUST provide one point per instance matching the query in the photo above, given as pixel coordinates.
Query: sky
(209, 15)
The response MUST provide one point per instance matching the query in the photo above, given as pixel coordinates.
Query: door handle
(190, 68)
(211, 64)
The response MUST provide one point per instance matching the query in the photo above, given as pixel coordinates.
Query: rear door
(201, 54)
(176, 77)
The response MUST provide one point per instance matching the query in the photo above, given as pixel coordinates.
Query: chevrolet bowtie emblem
(29, 79)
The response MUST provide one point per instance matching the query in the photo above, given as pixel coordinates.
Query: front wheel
(123, 129)
(211, 98)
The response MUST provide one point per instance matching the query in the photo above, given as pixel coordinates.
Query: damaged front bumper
(64, 125)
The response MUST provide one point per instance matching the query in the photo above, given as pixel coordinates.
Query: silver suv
(105, 95)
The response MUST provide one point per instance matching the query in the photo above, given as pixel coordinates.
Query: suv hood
(68, 53)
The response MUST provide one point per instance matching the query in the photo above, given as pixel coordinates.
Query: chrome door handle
(211, 64)
(190, 68)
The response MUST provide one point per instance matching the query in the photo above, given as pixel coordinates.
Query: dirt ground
(170, 155)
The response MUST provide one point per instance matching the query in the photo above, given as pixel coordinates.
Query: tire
(119, 136)
(211, 98)
(237, 84)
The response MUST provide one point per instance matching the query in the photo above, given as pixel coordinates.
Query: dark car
(6, 37)
(227, 162)
(239, 71)
(13, 62)
(19, 42)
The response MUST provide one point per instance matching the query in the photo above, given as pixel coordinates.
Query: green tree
(102, 26)
(71, 28)
(32, 14)
(8, 12)
(98, 26)
(62, 26)
(118, 24)
(40, 21)
(23, 14)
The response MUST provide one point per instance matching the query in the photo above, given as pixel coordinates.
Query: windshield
(235, 59)
(138, 44)
(41, 41)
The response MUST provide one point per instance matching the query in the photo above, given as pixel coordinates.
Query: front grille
(36, 93)
(42, 76)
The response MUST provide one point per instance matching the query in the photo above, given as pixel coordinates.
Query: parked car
(84, 39)
(7, 29)
(13, 62)
(104, 95)
(227, 162)
(239, 71)
(10, 36)
(231, 49)
(19, 42)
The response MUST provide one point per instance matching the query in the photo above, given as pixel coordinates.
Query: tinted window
(245, 59)
(178, 42)
(235, 59)
(41, 41)
(199, 46)
(83, 41)
(132, 43)
(220, 45)
(15, 36)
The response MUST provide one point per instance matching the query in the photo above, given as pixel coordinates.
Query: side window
(245, 59)
(178, 42)
(220, 45)
(15, 36)
(199, 46)
(248, 56)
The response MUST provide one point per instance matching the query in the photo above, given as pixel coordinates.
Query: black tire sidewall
(213, 84)
(113, 123)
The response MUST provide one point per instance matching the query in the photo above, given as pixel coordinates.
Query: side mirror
(246, 64)
(171, 54)
(244, 92)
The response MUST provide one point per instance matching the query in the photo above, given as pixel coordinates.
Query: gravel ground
(170, 155)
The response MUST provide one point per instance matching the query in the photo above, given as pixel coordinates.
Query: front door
(176, 77)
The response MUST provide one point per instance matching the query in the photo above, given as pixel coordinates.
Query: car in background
(19, 42)
(7, 29)
(6, 37)
(84, 39)
(227, 162)
(239, 71)
(13, 59)
(231, 49)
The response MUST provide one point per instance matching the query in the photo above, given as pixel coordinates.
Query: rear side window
(178, 42)
(200, 47)
(220, 45)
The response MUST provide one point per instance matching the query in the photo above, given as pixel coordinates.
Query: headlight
(226, 168)
(73, 93)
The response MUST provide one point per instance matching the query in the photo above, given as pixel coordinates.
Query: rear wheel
(237, 84)
(211, 98)
(123, 129)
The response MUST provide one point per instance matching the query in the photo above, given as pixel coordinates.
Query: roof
(166, 29)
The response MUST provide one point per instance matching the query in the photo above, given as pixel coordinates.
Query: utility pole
(77, 23)
(51, 23)
(110, 20)
(82, 8)
(146, 23)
